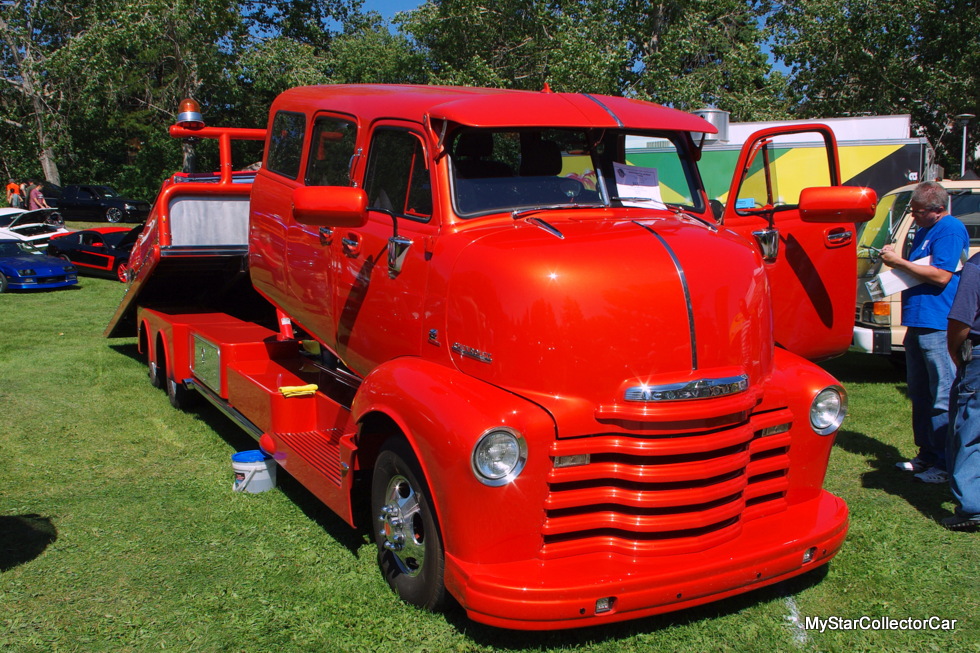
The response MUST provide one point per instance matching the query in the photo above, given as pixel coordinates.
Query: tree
(849, 57)
(686, 53)
(33, 99)
(696, 53)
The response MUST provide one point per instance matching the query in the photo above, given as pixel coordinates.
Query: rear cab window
(285, 145)
(332, 147)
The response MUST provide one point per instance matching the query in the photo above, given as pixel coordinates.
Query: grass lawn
(119, 530)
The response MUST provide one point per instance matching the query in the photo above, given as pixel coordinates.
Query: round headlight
(499, 456)
(828, 410)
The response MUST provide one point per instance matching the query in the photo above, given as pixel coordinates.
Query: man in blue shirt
(940, 245)
(963, 446)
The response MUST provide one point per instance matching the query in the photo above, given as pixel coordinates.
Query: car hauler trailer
(573, 398)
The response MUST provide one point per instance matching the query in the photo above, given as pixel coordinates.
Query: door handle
(352, 244)
(326, 235)
(839, 236)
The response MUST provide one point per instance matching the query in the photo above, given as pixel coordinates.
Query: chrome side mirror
(768, 240)
(397, 248)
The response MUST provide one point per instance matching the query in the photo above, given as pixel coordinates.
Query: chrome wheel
(410, 551)
(113, 214)
(402, 528)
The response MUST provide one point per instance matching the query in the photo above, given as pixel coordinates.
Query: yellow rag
(298, 390)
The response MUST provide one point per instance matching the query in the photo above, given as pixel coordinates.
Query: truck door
(810, 266)
(308, 247)
(382, 266)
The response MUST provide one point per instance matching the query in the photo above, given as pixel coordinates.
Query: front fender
(443, 412)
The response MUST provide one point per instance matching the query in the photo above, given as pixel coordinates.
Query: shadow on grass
(128, 349)
(865, 368)
(314, 509)
(925, 498)
(238, 439)
(503, 640)
(854, 367)
(23, 538)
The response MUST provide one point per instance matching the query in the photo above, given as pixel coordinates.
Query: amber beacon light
(189, 115)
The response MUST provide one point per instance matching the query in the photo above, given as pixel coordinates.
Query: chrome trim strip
(690, 390)
(684, 286)
(223, 406)
(606, 109)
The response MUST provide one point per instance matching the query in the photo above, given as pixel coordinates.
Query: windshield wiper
(657, 204)
(520, 213)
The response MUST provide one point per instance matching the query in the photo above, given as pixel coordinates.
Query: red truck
(574, 391)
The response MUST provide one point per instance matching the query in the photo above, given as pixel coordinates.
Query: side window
(85, 194)
(779, 170)
(331, 150)
(286, 143)
(396, 178)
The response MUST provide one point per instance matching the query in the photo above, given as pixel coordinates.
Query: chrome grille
(665, 493)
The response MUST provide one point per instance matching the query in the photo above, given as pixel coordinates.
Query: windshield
(517, 170)
(7, 220)
(120, 238)
(11, 248)
(879, 230)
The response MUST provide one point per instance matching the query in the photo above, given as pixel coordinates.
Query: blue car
(23, 266)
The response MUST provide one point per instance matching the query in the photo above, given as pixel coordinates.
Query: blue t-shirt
(947, 244)
(966, 304)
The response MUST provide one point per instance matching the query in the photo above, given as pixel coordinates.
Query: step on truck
(569, 393)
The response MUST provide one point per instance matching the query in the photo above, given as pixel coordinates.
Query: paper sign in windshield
(638, 186)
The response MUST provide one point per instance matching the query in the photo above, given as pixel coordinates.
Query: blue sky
(389, 8)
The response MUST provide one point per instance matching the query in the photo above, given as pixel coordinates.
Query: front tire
(122, 272)
(410, 551)
(4, 284)
(113, 214)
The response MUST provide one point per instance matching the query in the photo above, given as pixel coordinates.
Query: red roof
(493, 108)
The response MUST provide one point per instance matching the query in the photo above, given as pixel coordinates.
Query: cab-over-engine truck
(574, 395)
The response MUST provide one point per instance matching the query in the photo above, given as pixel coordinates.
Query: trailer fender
(443, 414)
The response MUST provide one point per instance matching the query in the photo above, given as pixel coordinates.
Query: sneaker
(915, 465)
(933, 475)
(958, 523)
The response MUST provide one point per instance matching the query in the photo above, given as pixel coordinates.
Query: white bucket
(255, 471)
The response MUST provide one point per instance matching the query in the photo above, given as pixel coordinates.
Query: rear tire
(410, 551)
(155, 373)
(181, 397)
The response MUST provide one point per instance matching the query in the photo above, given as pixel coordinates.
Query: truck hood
(577, 316)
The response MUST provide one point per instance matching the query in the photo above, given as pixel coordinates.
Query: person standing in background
(963, 446)
(12, 189)
(940, 246)
(35, 198)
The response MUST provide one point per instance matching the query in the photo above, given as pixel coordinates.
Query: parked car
(24, 267)
(94, 203)
(102, 251)
(51, 193)
(35, 227)
(878, 320)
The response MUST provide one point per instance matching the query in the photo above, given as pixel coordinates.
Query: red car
(102, 251)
